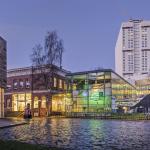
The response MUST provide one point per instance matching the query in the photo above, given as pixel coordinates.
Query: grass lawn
(15, 145)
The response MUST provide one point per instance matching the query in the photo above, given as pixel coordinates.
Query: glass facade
(143, 87)
(96, 91)
(123, 93)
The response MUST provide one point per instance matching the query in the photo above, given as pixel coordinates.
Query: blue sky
(89, 28)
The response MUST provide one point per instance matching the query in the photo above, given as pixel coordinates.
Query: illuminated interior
(143, 87)
(19, 101)
(121, 89)
(93, 91)
(1, 102)
(61, 103)
(43, 102)
(36, 102)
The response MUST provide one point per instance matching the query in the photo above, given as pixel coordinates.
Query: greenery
(133, 116)
(16, 145)
(118, 116)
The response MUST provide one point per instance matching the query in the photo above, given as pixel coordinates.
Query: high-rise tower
(132, 52)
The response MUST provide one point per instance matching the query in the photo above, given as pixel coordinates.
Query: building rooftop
(96, 71)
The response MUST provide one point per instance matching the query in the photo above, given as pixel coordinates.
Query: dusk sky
(89, 28)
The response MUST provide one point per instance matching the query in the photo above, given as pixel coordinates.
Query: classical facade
(35, 86)
(3, 68)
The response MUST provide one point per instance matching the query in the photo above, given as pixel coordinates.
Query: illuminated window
(43, 103)
(28, 99)
(1, 102)
(60, 83)
(55, 82)
(36, 102)
(65, 86)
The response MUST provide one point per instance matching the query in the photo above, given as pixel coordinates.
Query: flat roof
(91, 71)
(98, 70)
(30, 67)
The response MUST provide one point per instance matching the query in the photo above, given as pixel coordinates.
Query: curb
(12, 125)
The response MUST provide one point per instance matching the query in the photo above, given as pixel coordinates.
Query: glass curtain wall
(123, 93)
(143, 87)
(91, 92)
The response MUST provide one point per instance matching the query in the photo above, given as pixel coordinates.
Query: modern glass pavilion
(94, 91)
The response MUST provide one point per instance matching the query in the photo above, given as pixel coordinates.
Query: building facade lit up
(3, 69)
(96, 91)
(26, 86)
(90, 91)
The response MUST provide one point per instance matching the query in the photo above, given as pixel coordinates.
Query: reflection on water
(80, 134)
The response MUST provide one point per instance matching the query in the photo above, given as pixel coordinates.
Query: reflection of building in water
(3, 65)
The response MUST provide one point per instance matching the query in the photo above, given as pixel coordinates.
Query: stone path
(5, 123)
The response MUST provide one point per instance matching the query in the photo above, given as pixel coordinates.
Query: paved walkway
(4, 123)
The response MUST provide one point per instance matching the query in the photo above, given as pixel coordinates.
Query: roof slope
(145, 102)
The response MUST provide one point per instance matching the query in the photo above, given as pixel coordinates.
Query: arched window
(36, 102)
(43, 102)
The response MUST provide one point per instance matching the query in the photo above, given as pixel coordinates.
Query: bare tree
(60, 52)
(37, 57)
(44, 58)
(53, 49)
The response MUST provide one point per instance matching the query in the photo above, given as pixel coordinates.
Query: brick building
(27, 85)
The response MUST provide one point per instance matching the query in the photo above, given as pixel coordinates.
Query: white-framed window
(27, 83)
(8, 87)
(15, 84)
(21, 83)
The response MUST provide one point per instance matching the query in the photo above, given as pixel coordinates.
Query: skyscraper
(3, 68)
(132, 52)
